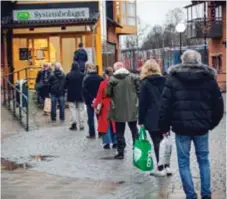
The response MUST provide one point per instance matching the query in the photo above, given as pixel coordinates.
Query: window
(217, 62)
(128, 10)
(218, 13)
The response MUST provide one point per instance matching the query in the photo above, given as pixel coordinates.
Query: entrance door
(69, 45)
(68, 48)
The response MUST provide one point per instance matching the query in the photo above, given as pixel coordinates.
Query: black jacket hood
(192, 72)
(58, 73)
(155, 79)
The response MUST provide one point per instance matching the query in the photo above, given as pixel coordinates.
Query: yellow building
(36, 32)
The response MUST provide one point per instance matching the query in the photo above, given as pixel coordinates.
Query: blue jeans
(91, 123)
(61, 102)
(201, 144)
(109, 137)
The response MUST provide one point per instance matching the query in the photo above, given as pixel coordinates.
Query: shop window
(217, 62)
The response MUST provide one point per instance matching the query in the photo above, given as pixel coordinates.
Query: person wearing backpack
(42, 83)
(152, 84)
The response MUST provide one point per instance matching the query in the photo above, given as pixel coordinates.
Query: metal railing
(15, 95)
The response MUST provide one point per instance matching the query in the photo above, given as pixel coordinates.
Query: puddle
(10, 165)
(43, 157)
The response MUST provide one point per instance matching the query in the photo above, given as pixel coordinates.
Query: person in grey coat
(123, 89)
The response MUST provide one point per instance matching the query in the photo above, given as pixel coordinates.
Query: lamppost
(180, 28)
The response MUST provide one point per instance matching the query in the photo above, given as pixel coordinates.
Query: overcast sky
(154, 11)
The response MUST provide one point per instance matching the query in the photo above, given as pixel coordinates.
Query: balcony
(196, 28)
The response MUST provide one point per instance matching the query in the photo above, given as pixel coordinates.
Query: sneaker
(81, 128)
(73, 127)
(119, 156)
(106, 146)
(206, 197)
(158, 173)
(114, 146)
(168, 171)
(90, 137)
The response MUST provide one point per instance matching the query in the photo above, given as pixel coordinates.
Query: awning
(112, 22)
(7, 22)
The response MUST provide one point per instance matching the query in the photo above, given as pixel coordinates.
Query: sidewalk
(80, 161)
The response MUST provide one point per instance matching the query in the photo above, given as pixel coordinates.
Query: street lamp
(180, 28)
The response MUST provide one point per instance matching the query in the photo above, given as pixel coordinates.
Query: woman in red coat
(101, 105)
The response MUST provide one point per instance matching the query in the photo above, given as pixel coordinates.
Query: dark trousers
(91, 123)
(120, 128)
(61, 102)
(156, 139)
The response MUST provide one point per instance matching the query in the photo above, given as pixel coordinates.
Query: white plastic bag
(165, 150)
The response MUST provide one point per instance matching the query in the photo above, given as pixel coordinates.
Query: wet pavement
(76, 160)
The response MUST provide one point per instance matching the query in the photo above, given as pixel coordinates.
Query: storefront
(51, 33)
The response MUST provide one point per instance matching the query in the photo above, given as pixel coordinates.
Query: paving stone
(77, 169)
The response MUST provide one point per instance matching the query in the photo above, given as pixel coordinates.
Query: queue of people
(187, 101)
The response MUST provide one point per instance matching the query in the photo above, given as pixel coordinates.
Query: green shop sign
(23, 15)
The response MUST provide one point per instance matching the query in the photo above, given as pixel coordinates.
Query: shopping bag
(165, 150)
(142, 158)
(47, 105)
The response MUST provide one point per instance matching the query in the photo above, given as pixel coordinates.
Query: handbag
(142, 158)
(165, 151)
(47, 105)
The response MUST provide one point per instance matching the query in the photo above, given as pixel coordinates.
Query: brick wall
(216, 46)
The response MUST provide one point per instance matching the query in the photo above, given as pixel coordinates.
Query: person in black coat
(192, 105)
(152, 84)
(81, 57)
(57, 92)
(42, 85)
(90, 88)
(73, 84)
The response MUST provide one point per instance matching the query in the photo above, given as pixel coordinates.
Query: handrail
(23, 69)
(14, 98)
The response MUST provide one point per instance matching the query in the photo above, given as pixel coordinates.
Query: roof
(194, 3)
(113, 22)
(7, 22)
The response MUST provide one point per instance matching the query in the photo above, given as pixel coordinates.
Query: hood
(156, 79)
(192, 72)
(75, 67)
(58, 73)
(121, 73)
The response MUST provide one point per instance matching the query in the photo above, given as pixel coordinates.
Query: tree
(133, 40)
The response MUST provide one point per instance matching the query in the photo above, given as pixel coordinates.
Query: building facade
(207, 19)
(35, 32)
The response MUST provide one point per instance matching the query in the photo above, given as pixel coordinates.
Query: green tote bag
(142, 152)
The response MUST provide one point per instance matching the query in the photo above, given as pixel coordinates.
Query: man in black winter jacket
(81, 57)
(73, 84)
(192, 105)
(90, 88)
(57, 92)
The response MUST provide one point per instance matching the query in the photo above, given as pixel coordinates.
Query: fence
(134, 58)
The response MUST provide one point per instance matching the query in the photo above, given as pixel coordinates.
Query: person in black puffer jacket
(57, 92)
(151, 87)
(90, 88)
(81, 57)
(192, 105)
(73, 84)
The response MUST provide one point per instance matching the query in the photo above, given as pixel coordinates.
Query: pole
(205, 36)
(180, 48)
